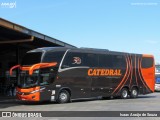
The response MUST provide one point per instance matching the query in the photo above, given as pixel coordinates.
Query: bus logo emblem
(76, 60)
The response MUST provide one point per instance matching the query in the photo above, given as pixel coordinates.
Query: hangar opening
(15, 41)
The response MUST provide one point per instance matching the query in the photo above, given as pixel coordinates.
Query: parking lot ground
(150, 102)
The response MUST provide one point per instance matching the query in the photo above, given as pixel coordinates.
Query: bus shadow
(7, 104)
(145, 96)
(49, 102)
(11, 103)
(35, 103)
(84, 100)
(139, 97)
(81, 100)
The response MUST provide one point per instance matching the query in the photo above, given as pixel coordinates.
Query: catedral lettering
(104, 72)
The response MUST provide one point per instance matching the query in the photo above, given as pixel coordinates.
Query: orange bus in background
(63, 74)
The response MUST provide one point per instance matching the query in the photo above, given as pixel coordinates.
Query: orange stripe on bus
(129, 72)
(136, 71)
(33, 67)
(123, 77)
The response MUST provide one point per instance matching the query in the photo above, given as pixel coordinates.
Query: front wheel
(124, 93)
(63, 97)
(134, 93)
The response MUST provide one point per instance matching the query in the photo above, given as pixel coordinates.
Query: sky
(118, 25)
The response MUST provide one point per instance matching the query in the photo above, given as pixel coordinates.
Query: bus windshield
(53, 57)
(26, 80)
(39, 77)
(31, 58)
(42, 76)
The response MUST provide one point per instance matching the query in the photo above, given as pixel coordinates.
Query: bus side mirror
(12, 68)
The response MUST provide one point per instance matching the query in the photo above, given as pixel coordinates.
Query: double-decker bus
(63, 74)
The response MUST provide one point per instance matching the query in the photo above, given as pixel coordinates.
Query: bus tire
(134, 92)
(63, 97)
(124, 93)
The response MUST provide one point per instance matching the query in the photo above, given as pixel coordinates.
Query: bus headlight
(34, 91)
(40, 90)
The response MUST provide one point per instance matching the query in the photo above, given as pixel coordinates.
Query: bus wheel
(134, 92)
(63, 97)
(124, 93)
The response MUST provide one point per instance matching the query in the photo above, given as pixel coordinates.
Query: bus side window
(44, 76)
(147, 62)
(118, 61)
(91, 60)
(53, 56)
(105, 61)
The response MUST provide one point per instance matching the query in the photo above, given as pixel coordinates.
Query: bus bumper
(28, 94)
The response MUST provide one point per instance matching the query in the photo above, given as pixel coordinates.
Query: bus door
(47, 77)
(45, 93)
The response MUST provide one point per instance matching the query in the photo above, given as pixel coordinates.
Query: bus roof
(46, 49)
(50, 49)
(90, 50)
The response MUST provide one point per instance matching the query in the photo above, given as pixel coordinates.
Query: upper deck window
(53, 57)
(109, 60)
(147, 62)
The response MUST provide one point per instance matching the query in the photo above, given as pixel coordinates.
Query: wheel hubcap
(125, 93)
(63, 96)
(134, 92)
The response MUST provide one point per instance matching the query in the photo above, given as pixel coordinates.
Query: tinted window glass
(118, 61)
(110, 60)
(147, 62)
(32, 58)
(105, 61)
(91, 60)
(53, 57)
(47, 75)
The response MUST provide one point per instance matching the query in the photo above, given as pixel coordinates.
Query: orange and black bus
(63, 74)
